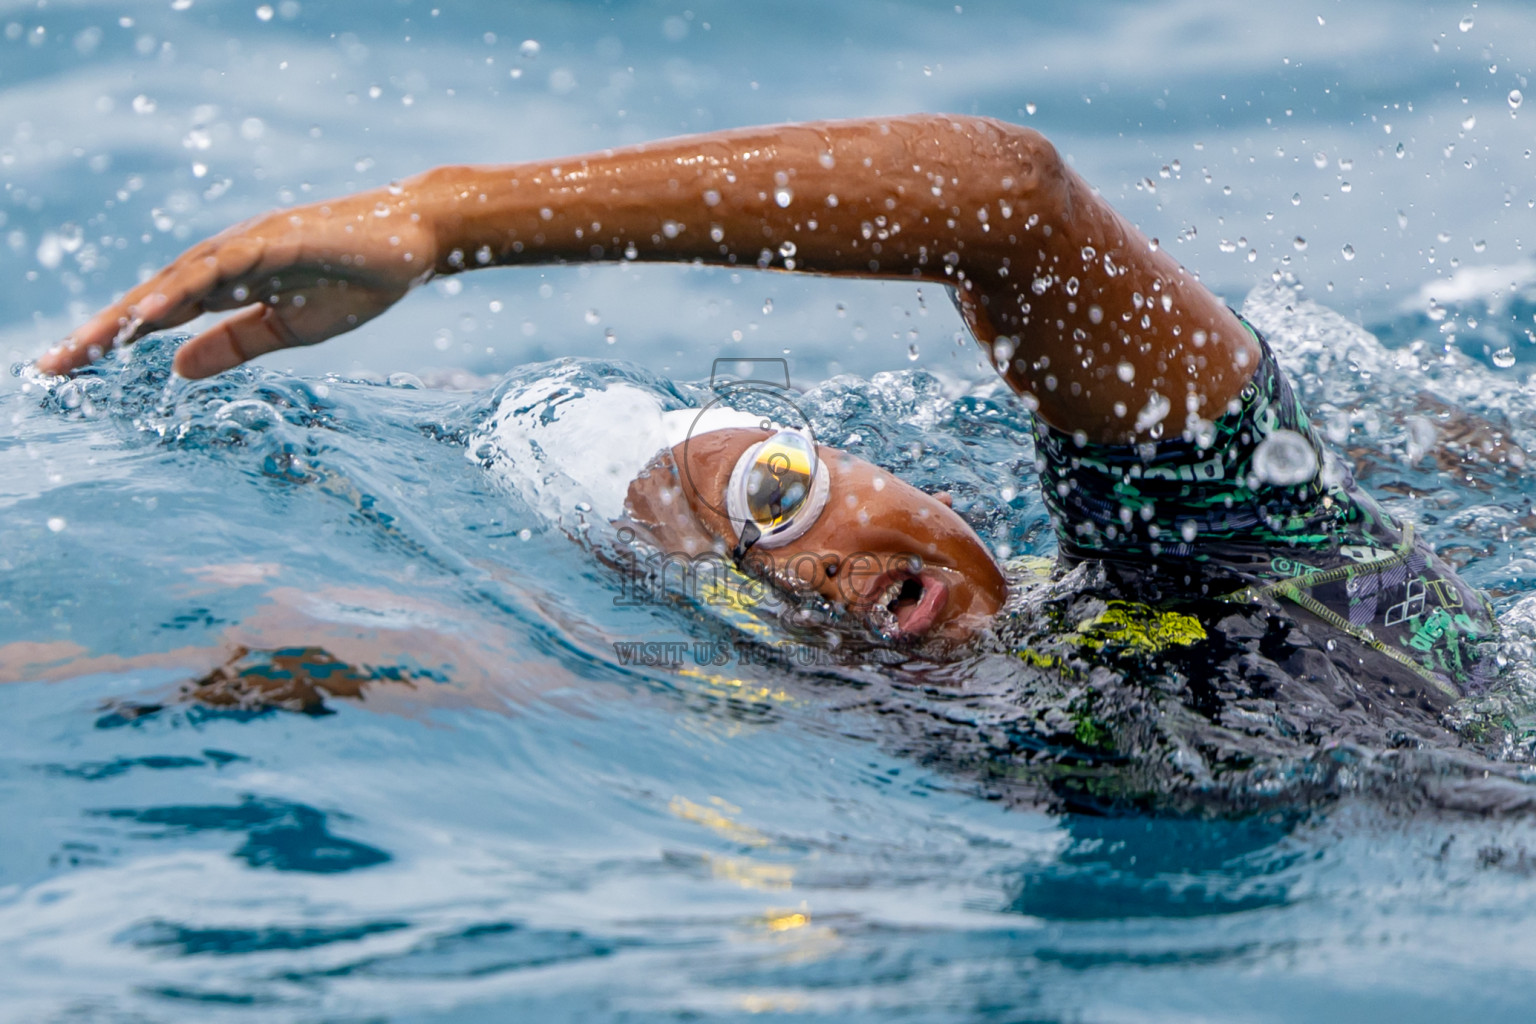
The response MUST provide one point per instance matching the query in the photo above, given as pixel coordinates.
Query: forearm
(903, 197)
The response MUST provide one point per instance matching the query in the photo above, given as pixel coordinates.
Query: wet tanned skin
(876, 530)
(1080, 312)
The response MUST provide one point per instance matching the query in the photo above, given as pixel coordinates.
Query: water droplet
(1300, 244)
(1466, 24)
(143, 105)
(524, 534)
(1150, 419)
(767, 306)
(56, 524)
(1126, 372)
(1515, 99)
(592, 317)
(1296, 199)
(1345, 186)
(1284, 459)
(786, 249)
(782, 197)
(530, 48)
(1469, 122)
(912, 352)
(1348, 251)
(609, 336)
(1030, 108)
(1402, 219)
(1320, 160)
(1504, 358)
(265, 12)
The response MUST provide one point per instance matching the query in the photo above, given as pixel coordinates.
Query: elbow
(1023, 154)
(1019, 160)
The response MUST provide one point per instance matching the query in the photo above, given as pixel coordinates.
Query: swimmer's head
(813, 518)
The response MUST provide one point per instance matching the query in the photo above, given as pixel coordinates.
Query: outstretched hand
(297, 276)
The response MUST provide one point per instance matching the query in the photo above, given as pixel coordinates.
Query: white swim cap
(559, 445)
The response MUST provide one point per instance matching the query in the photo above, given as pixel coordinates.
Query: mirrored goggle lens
(779, 480)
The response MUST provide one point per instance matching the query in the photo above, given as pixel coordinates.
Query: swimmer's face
(890, 553)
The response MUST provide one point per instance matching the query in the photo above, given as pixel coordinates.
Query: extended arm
(1078, 309)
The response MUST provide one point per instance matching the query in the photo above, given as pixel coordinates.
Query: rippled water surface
(311, 704)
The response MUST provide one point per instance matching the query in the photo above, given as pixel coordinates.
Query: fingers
(246, 335)
(177, 294)
(120, 323)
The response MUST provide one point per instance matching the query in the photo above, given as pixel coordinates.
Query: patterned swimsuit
(1250, 509)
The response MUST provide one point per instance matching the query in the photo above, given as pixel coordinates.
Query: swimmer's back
(1251, 509)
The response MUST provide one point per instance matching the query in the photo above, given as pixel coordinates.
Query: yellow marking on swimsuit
(1139, 627)
(1035, 658)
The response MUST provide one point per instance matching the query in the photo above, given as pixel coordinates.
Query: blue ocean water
(489, 815)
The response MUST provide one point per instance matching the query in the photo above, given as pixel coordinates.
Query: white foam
(1495, 285)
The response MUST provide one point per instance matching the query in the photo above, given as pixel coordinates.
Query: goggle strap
(749, 536)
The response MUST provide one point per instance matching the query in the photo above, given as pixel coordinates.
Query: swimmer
(1173, 455)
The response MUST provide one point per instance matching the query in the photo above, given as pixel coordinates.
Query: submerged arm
(1078, 309)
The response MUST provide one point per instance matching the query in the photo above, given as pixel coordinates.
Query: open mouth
(906, 604)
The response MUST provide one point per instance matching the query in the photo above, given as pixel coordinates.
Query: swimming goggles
(776, 492)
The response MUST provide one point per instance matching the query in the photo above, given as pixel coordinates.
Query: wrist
(457, 209)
